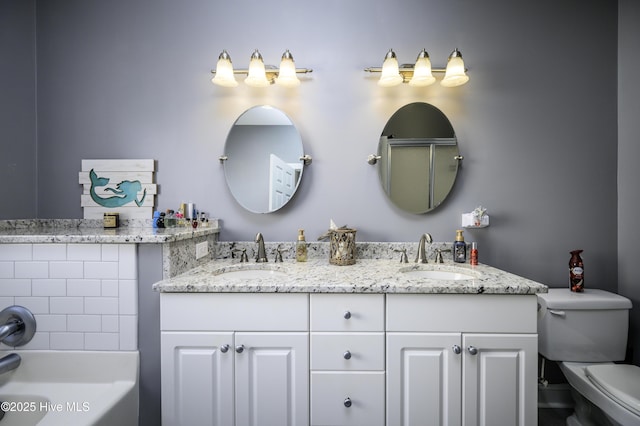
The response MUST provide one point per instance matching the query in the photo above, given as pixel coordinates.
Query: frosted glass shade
(224, 72)
(257, 76)
(390, 72)
(455, 74)
(287, 74)
(422, 71)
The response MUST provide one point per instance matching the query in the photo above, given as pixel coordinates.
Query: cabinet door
(272, 379)
(423, 379)
(197, 378)
(499, 379)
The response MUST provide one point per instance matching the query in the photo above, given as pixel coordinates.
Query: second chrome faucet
(262, 254)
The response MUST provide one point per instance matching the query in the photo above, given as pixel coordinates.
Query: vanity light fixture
(258, 74)
(420, 74)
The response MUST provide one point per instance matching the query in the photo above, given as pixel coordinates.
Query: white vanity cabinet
(235, 359)
(347, 359)
(461, 360)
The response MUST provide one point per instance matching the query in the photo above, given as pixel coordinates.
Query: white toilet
(586, 332)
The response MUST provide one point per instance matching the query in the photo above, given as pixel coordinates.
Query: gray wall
(537, 123)
(17, 109)
(628, 155)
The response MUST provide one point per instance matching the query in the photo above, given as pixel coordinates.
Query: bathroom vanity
(375, 343)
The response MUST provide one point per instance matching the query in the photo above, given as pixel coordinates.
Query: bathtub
(71, 388)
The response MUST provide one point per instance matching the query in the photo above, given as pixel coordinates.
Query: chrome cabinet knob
(347, 402)
(347, 315)
(472, 350)
(347, 355)
(224, 348)
(456, 349)
(240, 349)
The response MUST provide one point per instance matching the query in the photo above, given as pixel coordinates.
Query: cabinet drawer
(483, 313)
(347, 399)
(347, 312)
(234, 312)
(347, 351)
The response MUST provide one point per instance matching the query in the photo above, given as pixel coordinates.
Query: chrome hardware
(224, 348)
(439, 254)
(17, 326)
(347, 315)
(472, 350)
(421, 257)
(223, 158)
(373, 159)
(458, 158)
(306, 159)
(240, 349)
(558, 313)
(347, 355)
(262, 254)
(403, 256)
(456, 349)
(9, 362)
(279, 251)
(243, 254)
(347, 402)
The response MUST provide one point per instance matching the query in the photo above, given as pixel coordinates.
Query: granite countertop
(90, 231)
(366, 276)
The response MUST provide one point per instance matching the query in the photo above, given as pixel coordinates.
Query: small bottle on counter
(576, 272)
(474, 253)
(459, 248)
(301, 247)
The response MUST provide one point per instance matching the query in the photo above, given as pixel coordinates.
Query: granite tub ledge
(366, 276)
(37, 231)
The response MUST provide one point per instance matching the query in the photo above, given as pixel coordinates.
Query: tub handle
(557, 313)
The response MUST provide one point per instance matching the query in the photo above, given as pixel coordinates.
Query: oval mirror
(262, 160)
(418, 155)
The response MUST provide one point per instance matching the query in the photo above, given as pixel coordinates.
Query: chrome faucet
(9, 362)
(421, 257)
(262, 254)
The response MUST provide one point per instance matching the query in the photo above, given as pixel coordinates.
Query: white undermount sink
(250, 272)
(436, 274)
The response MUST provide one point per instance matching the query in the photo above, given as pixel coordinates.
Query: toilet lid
(621, 382)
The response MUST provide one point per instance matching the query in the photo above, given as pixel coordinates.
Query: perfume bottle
(576, 272)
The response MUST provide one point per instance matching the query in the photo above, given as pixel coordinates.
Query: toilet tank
(590, 326)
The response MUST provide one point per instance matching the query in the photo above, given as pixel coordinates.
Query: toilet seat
(620, 382)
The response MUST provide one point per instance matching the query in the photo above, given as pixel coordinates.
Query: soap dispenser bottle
(459, 248)
(301, 247)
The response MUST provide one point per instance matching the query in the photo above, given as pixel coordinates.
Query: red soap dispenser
(576, 272)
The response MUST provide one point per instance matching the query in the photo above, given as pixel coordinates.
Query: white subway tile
(110, 288)
(49, 252)
(101, 341)
(15, 287)
(66, 269)
(84, 323)
(128, 269)
(109, 252)
(32, 269)
(16, 252)
(49, 287)
(128, 332)
(37, 305)
(5, 302)
(110, 323)
(66, 305)
(66, 341)
(51, 322)
(40, 341)
(83, 287)
(6, 270)
(128, 297)
(101, 270)
(84, 252)
(101, 305)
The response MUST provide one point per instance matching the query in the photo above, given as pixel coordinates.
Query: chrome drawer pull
(347, 355)
(347, 402)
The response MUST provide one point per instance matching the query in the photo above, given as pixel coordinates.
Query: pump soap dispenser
(301, 247)
(459, 248)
